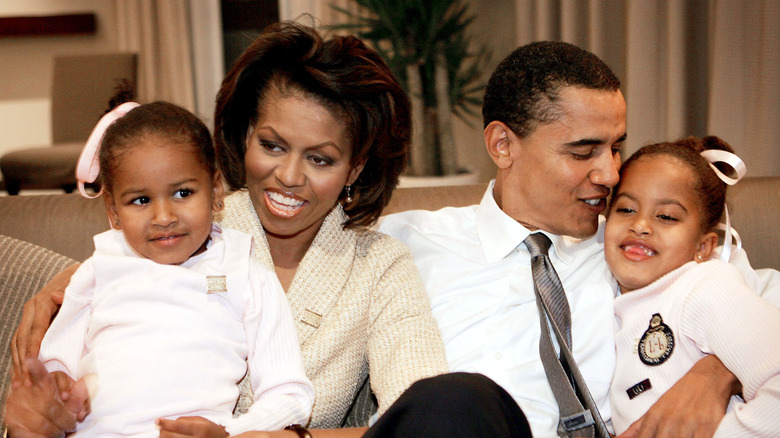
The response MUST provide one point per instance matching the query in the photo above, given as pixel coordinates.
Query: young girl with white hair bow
(681, 299)
(160, 322)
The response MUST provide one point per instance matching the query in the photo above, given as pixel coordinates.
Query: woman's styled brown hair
(340, 73)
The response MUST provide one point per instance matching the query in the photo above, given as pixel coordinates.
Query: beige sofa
(66, 223)
(39, 235)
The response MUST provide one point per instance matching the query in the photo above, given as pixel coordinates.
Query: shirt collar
(500, 235)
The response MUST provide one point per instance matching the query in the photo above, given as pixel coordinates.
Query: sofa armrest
(24, 269)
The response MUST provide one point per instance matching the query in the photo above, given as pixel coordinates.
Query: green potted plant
(426, 44)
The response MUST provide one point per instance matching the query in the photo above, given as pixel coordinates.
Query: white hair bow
(736, 163)
(88, 166)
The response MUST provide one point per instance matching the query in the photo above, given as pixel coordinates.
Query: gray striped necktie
(568, 385)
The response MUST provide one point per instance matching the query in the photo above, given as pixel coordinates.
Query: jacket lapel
(321, 275)
(325, 269)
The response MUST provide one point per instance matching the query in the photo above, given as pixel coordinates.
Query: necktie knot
(537, 244)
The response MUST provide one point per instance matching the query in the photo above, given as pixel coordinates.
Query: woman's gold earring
(348, 199)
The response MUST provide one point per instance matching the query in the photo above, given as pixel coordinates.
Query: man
(554, 122)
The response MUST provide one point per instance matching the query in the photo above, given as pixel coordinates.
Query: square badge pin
(216, 284)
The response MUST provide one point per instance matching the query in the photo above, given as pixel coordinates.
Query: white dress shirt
(158, 341)
(478, 275)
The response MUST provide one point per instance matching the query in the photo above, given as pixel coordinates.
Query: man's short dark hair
(523, 90)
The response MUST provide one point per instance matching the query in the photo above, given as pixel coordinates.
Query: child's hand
(73, 394)
(190, 427)
(34, 407)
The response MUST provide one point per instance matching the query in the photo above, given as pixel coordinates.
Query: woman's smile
(284, 205)
(297, 163)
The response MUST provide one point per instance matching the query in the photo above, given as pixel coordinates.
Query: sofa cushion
(754, 206)
(63, 223)
(24, 269)
(434, 198)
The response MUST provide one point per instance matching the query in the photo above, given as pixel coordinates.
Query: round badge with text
(657, 342)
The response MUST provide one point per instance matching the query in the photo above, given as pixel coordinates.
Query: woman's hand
(36, 318)
(693, 407)
(190, 427)
(44, 404)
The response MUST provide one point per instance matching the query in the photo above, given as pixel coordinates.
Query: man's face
(562, 173)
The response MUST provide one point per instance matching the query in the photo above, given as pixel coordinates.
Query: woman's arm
(45, 404)
(405, 344)
(42, 401)
(37, 315)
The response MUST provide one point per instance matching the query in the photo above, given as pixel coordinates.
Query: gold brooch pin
(312, 318)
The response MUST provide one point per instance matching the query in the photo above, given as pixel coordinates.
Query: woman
(313, 134)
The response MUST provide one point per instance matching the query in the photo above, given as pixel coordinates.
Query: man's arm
(693, 407)
(36, 318)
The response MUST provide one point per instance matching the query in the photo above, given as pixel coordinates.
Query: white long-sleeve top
(161, 343)
(709, 310)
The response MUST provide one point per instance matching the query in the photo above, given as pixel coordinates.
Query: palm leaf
(410, 33)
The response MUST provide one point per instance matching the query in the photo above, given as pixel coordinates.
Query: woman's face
(297, 163)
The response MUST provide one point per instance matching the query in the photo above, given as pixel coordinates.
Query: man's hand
(36, 318)
(693, 407)
(35, 407)
(190, 427)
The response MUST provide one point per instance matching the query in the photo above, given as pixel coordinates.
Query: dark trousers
(453, 405)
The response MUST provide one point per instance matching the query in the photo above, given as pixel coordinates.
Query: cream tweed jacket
(359, 305)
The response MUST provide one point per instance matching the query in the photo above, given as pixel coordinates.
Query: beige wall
(495, 27)
(25, 78)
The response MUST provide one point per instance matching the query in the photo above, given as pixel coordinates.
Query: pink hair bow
(88, 167)
(736, 163)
